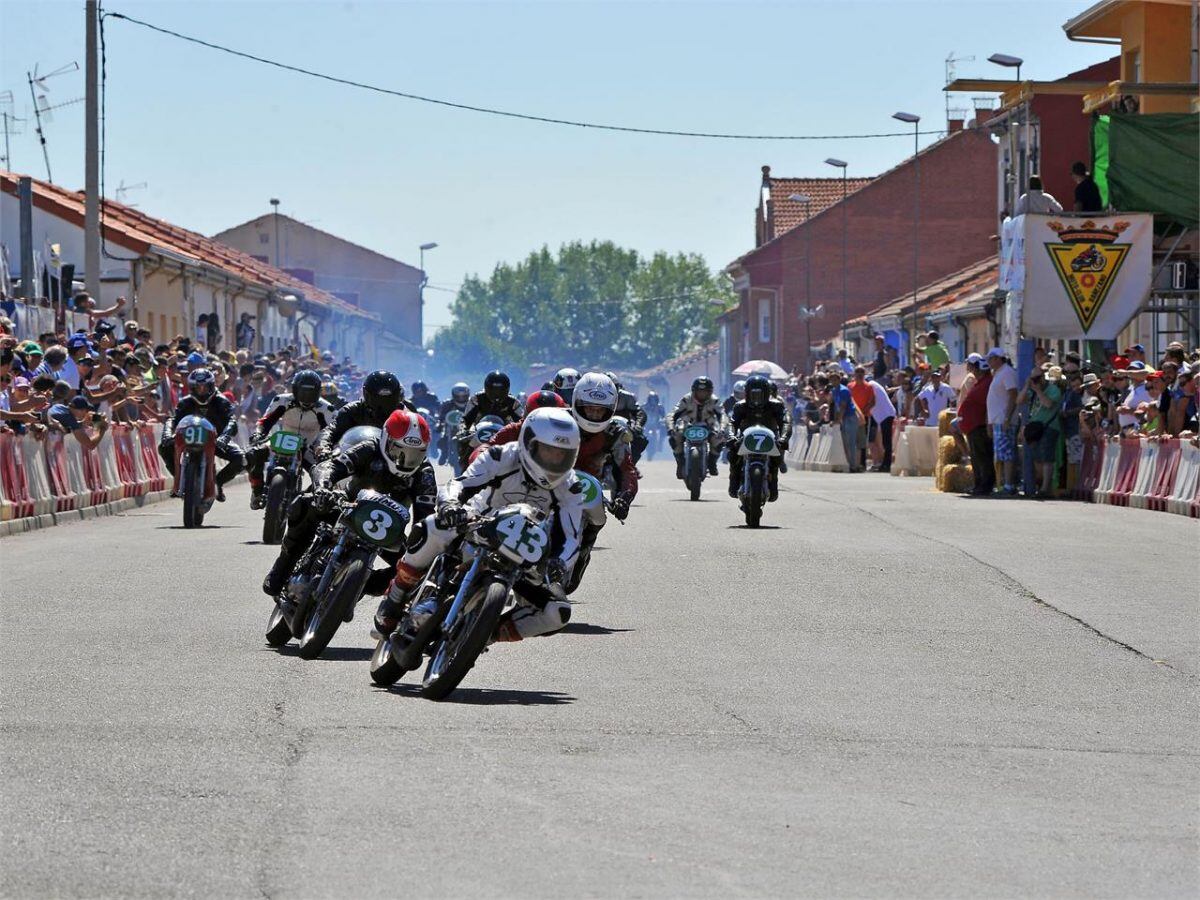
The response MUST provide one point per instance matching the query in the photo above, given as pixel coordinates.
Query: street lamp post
(424, 279)
(1022, 171)
(842, 164)
(275, 207)
(807, 201)
(914, 120)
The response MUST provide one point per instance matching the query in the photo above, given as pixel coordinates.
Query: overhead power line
(546, 120)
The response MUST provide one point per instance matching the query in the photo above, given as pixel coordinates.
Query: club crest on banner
(1087, 259)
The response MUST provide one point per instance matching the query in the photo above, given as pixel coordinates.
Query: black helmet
(306, 388)
(758, 390)
(496, 385)
(419, 387)
(381, 393)
(703, 383)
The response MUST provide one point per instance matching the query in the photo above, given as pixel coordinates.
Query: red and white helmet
(404, 442)
(594, 402)
(549, 444)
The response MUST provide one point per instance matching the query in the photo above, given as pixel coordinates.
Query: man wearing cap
(1136, 353)
(1001, 406)
(1138, 394)
(74, 415)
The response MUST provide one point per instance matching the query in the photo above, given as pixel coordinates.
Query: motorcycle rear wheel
(694, 472)
(275, 514)
(193, 494)
(328, 611)
(454, 656)
(754, 498)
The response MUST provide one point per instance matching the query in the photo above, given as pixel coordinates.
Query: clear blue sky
(215, 137)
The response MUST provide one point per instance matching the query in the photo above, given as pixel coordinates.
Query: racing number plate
(592, 490)
(759, 442)
(521, 539)
(696, 433)
(454, 417)
(380, 522)
(286, 443)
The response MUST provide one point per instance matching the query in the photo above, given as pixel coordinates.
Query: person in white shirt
(883, 415)
(844, 363)
(1035, 200)
(935, 396)
(1126, 412)
(1001, 404)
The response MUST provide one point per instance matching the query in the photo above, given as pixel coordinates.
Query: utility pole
(91, 210)
(37, 115)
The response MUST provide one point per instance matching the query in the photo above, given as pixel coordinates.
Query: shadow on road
(492, 696)
(252, 543)
(745, 527)
(184, 528)
(689, 500)
(585, 628)
(330, 654)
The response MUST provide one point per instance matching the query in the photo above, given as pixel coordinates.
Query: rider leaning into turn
(697, 407)
(396, 464)
(759, 408)
(302, 411)
(537, 469)
(203, 400)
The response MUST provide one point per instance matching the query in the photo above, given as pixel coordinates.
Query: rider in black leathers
(460, 399)
(631, 411)
(493, 400)
(759, 408)
(364, 466)
(423, 398)
(381, 396)
(203, 400)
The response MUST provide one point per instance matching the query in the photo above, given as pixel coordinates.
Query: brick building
(957, 225)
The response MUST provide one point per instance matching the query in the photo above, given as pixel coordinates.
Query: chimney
(954, 125)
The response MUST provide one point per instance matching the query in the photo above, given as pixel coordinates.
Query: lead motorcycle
(330, 577)
(471, 584)
(695, 457)
(759, 445)
(195, 468)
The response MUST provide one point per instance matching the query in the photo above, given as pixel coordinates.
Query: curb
(112, 508)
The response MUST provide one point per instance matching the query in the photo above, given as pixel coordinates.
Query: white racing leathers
(284, 413)
(495, 480)
(688, 412)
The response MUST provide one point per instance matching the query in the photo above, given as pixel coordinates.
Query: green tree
(593, 304)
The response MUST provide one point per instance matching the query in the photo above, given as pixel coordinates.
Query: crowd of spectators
(1033, 431)
(83, 382)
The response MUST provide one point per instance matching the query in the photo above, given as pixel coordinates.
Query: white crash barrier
(37, 476)
(1183, 497)
(1108, 472)
(1143, 485)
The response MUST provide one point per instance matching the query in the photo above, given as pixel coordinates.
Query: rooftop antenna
(12, 125)
(123, 189)
(951, 59)
(42, 105)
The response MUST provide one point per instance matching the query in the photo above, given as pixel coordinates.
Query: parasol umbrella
(761, 367)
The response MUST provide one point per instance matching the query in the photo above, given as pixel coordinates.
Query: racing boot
(679, 466)
(281, 569)
(772, 488)
(256, 495)
(712, 464)
(735, 481)
(391, 609)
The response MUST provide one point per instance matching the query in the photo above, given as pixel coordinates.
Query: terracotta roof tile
(134, 230)
(824, 193)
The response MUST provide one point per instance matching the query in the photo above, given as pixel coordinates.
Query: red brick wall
(958, 218)
(1066, 133)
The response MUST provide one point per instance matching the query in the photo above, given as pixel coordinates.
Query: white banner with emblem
(1083, 277)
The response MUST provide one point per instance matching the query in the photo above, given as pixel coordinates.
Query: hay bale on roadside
(945, 417)
(949, 452)
(956, 479)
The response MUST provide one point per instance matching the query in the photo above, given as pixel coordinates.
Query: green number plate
(286, 443)
(380, 523)
(759, 442)
(592, 490)
(454, 417)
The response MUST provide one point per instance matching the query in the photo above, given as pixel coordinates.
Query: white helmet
(739, 390)
(594, 402)
(566, 378)
(548, 445)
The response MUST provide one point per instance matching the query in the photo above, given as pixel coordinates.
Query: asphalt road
(887, 692)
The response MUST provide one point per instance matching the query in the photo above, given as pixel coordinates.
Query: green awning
(1149, 163)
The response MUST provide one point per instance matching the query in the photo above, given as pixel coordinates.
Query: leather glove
(450, 515)
(555, 570)
(620, 508)
(324, 500)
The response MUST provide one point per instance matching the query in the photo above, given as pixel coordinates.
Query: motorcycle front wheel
(456, 653)
(278, 632)
(275, 514)
(754, 497)
(193, 493)
(328, 611)
(694, 472)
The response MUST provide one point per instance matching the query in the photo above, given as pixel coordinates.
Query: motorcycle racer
(449, 417)
(699, 406)
(493, 400)
(537, 469)
(759, 408)
(381, 396)
(396, 464)
(301, 411)
(203, 400)
(564, 383)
